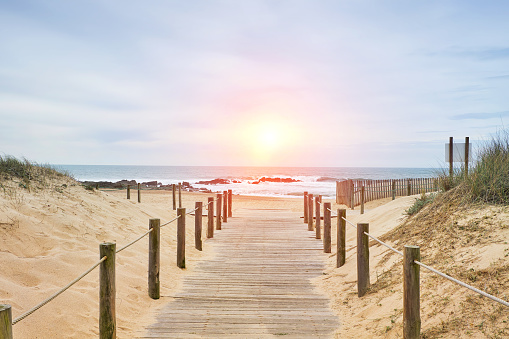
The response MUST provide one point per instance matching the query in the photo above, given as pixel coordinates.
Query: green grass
(487, 180)
(420, 202)
(27, 172)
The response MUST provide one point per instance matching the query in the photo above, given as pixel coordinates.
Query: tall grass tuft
(26, 171)
(488, 179)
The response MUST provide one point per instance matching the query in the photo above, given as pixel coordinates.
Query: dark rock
(214, 182)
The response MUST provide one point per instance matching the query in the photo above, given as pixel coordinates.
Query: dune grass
(28, 172)
(487, 180)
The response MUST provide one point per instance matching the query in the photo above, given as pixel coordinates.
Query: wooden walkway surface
(256, 286)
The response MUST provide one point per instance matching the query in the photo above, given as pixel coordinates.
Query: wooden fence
(348, 192)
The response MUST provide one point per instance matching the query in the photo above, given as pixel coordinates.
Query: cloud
(480, 116)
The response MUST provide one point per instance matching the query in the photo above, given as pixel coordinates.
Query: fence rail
(107, 317)
(348, 192)
(411, 262)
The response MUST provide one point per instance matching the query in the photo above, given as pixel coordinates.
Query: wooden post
(230, 200)
(362, 199)
(451, 158)
(352, 195)
(107, 292)
(181, 238)
(411, 293)
(180, 195)
(210, 221)
(467, 143)
(128, 192)
(225, 206)
(306, 207)
(362, 259)
(408, 187)
(174, 197)
(393, 189)
(139, 193)
(327, 227)
(154, 258)
(5, 321)
(218, 211)
(310, 212)
(197, 225)
(341, 238)
(318, 221)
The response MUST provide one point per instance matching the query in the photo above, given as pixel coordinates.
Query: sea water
(243, 180)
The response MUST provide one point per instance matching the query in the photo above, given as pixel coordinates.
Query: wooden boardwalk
(256, 286)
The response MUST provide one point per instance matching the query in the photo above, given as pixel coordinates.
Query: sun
(269, 137)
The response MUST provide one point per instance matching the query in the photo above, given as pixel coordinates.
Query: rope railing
(62, 290)
(411, 257)
(192, 211)
(498, 300)
(172, 220)
(134, 241)
(109, 249)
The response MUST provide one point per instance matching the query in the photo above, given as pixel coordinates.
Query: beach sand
(50, 236)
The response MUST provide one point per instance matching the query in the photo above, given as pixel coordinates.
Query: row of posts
(411, 271)
(107, 289)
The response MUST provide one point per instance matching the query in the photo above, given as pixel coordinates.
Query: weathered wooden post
(327, 227)
(362, 259)
(225, 206)
(408, 187)
(154, 258)
(310, 212)
(107, 292)
(181, 238)
(230, 201)
(139, 193)
(128, 192)
(393, 189)
(218, 211)
(411, 293)
(210, 221)
(5, 321)
(318, 217)
(362, 199)
(341, 238)
(451, 158)
(467, 142)
(174, 197)
(180, 195)
(306, 208)
(352, 195)
(197, 225)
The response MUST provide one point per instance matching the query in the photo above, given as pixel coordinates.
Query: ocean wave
(218, 181)
(326, 179)
(275, 179)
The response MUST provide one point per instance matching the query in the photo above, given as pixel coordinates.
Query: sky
(315, 83)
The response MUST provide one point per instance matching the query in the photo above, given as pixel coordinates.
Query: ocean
(258, 181)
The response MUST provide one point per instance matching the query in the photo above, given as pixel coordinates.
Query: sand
(50, 236)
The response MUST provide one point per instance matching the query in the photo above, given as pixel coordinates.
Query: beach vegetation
(27, 174)
(487, 181)
(420, 202)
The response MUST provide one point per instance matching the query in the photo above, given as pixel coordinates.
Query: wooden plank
(256, 286)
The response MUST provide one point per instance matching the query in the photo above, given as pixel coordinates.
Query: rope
(349, 222)
(192, 211)
(172, 220)
(332, 213)
(505, 303)
(134, 241)
(26, 314)
(382, 243)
